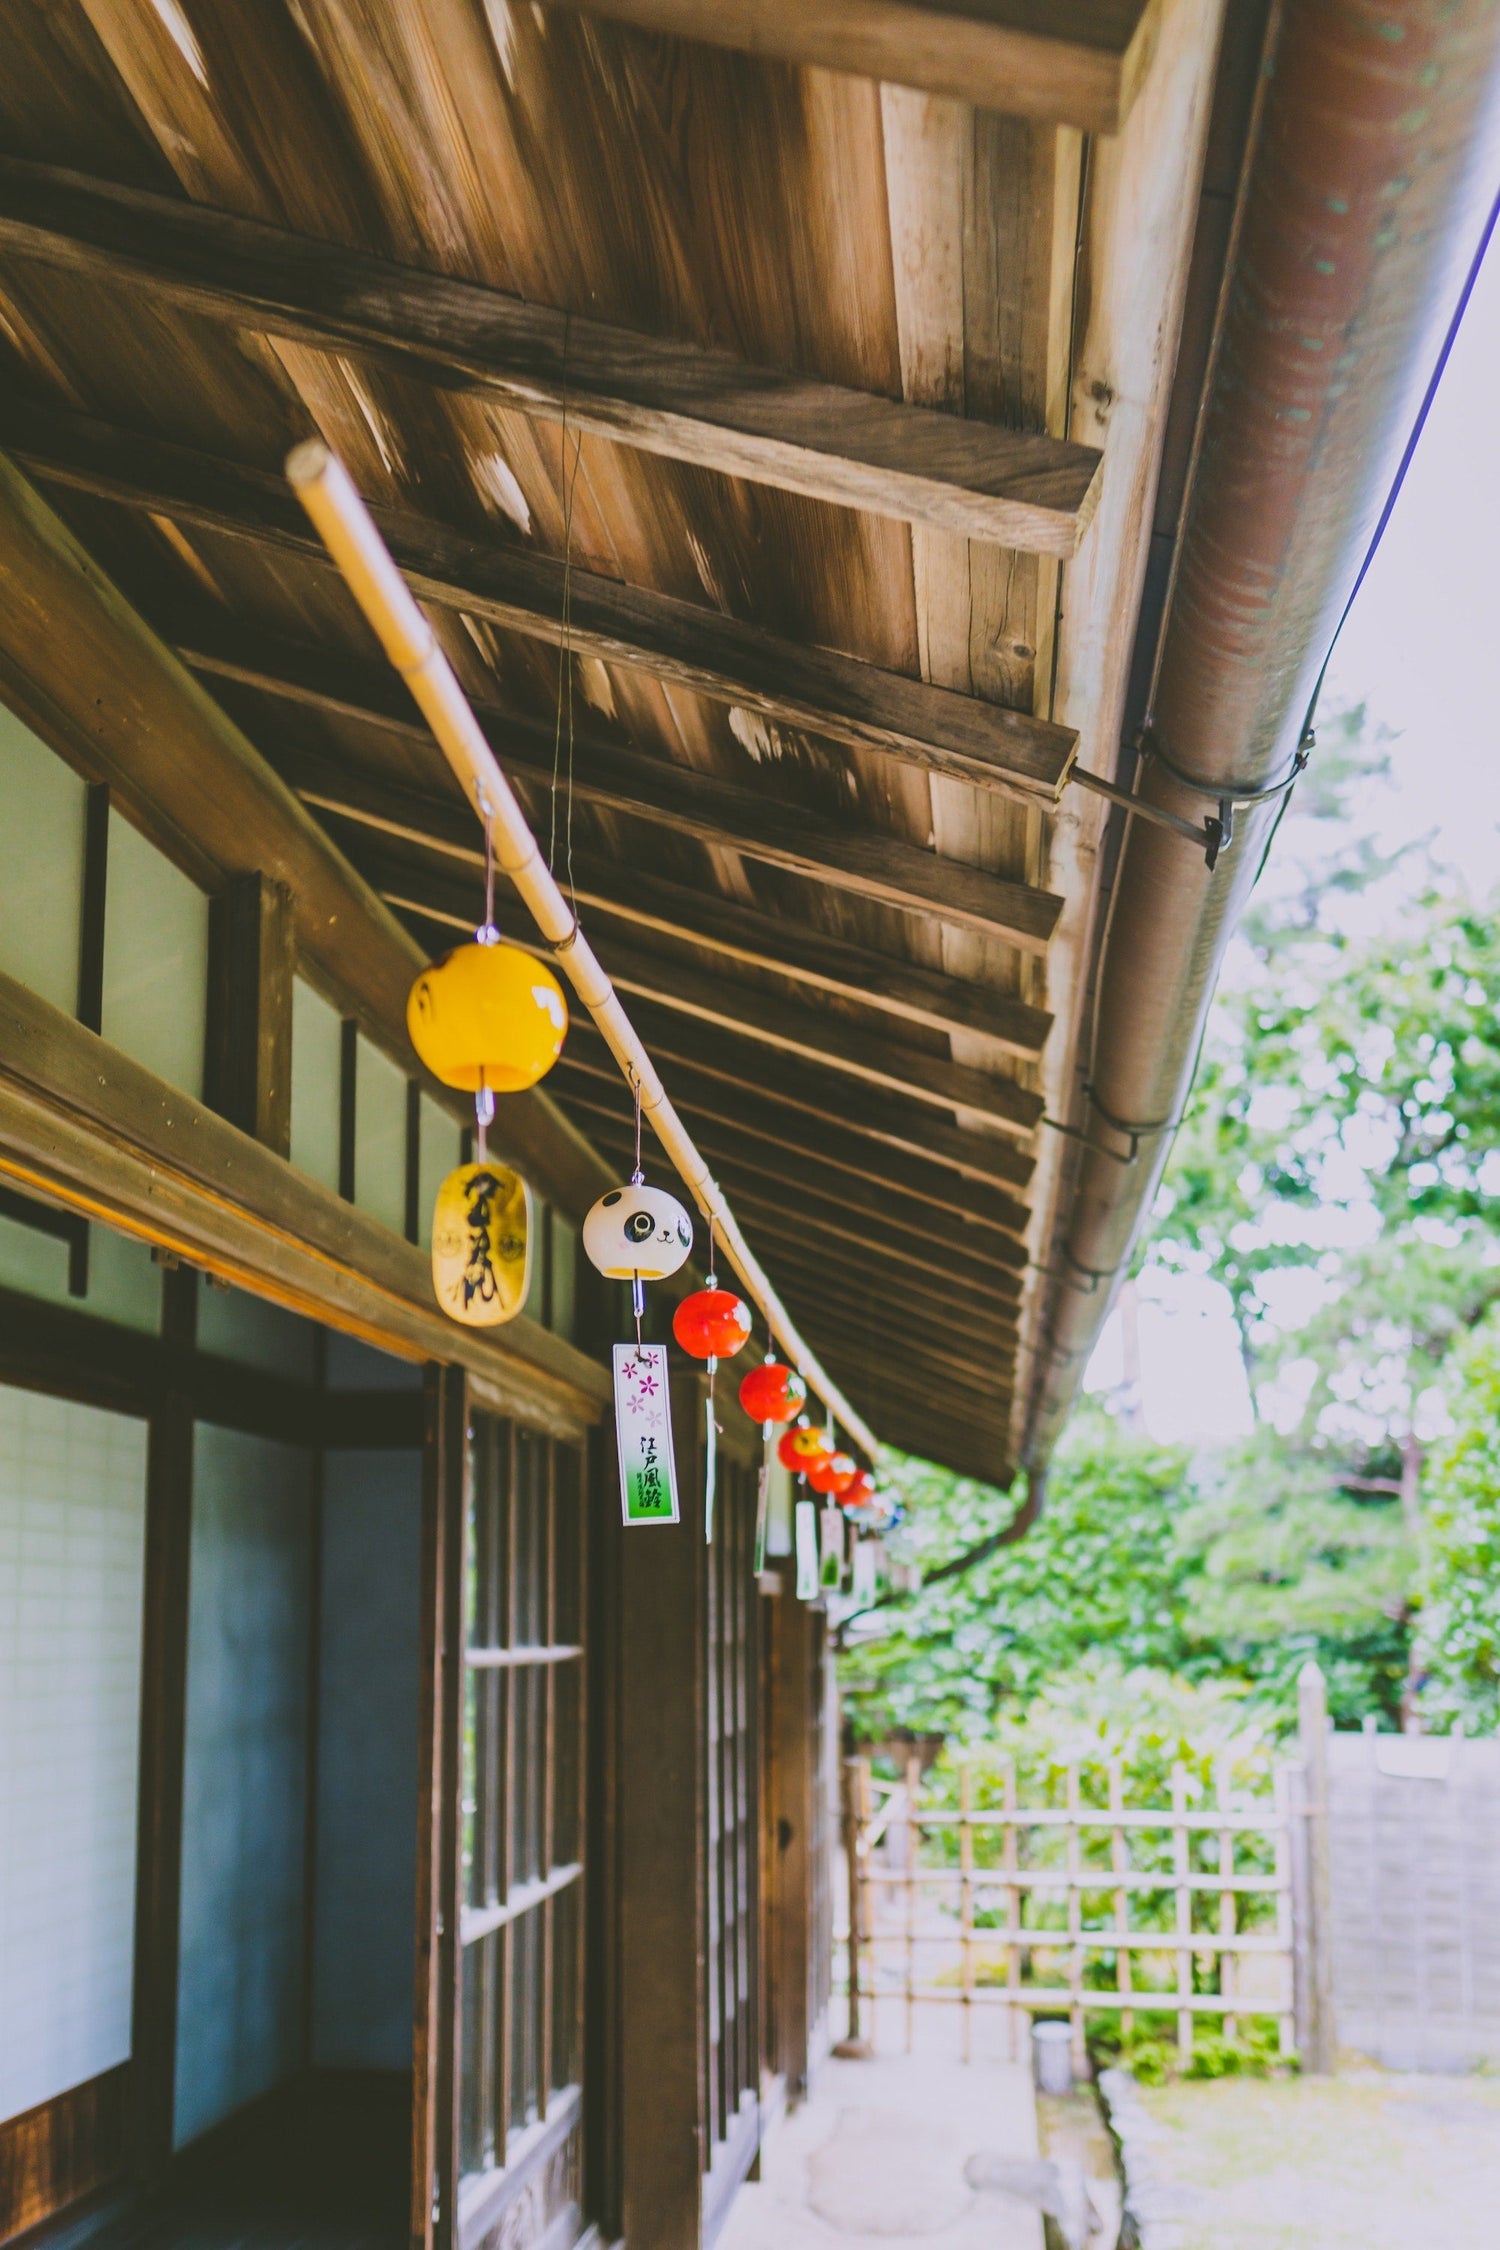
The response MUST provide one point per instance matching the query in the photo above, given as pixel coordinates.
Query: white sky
(1422, 649)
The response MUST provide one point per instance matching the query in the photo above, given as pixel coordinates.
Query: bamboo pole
(1228, 1921)
(1075, 1925)
(1287, 2024)
(342, 521)
(1184, 1914)
(913, 1841)
(966, 1900)
(1011, 1853)
(855, 2047)
(1119, 1863)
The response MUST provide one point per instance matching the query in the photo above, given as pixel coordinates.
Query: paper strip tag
(778, 1507)
(833, 1548)
(710, 1468)
(762, 1498)
(643, 1433)
(807, 1551)
(862, 1581)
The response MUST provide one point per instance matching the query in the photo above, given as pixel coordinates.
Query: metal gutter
(1365, 187)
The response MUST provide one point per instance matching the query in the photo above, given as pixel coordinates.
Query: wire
(1440, 368)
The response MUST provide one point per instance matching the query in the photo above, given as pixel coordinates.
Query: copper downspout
(1362, 197)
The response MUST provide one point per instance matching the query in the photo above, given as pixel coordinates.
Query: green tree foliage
(1098, 1570)
(1339, 1174)
(1459, 1642)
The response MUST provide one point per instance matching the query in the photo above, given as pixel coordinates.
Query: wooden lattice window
(521, 1927)
(732, 1815)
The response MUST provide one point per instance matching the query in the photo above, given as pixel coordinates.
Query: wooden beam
(765, 1128)
(748, 935)
(877, 1200)
(86, 1125)
(817, 1238)
(252, 959)
(881, 1374)
(805, 1209)
(1062, 62)
(980, 1331)
(786, 1027)
(80, 667)
(984, 1372)
(893, 1262)
(1021, 488)
(871, 1353)
(798, 1085)
(844, 1266)
(723, 814)
(816, 690)
(982, 1256)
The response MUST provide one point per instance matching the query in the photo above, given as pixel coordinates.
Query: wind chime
(711, 1324)
(637, 1233)
(486, 1019)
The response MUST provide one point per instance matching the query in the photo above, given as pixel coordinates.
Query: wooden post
(252, 954)
(661, 1826)
(1184, 1916)
(854, 2048)
(1228, 1921)
(1011, 1853)
(436, 2028)
(1287, 2020)
(164, 1658)
(1320, 2052)
(966, 1898)
(793, 1780)
(1119, 1863)
(1075, 1925)
(913, 1846)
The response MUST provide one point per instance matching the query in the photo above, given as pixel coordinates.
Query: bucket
(1052, 2057)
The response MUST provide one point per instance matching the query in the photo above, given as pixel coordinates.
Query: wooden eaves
(847, 787)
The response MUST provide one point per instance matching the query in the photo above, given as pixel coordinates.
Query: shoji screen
(72, 1541)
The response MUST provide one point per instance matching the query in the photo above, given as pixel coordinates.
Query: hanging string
(564, 657)
(637, 1179)
(487, 933)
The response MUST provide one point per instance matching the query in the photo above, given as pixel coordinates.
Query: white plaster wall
(72, 1544)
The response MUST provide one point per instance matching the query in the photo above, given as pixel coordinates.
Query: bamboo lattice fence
(1170, 1911)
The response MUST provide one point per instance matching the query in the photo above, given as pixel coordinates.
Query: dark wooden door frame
(436, 2028)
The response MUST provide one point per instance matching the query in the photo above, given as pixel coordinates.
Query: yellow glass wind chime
(486, 1019)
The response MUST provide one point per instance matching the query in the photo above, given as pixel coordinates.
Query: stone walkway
(904, 2149)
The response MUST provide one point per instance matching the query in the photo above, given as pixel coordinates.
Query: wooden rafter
(848, 1240)
(788, 1027)
(722, 814)
(814, 1095)
(1064, 62)
(725, 1144)
(896, 1336)
(975, 1251)
(833, 1294)
(744, 935)
(1020, 488)
(766, 1129)
(792, 683)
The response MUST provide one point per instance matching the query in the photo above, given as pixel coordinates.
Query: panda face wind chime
(487, 1018)
(638, 1234)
